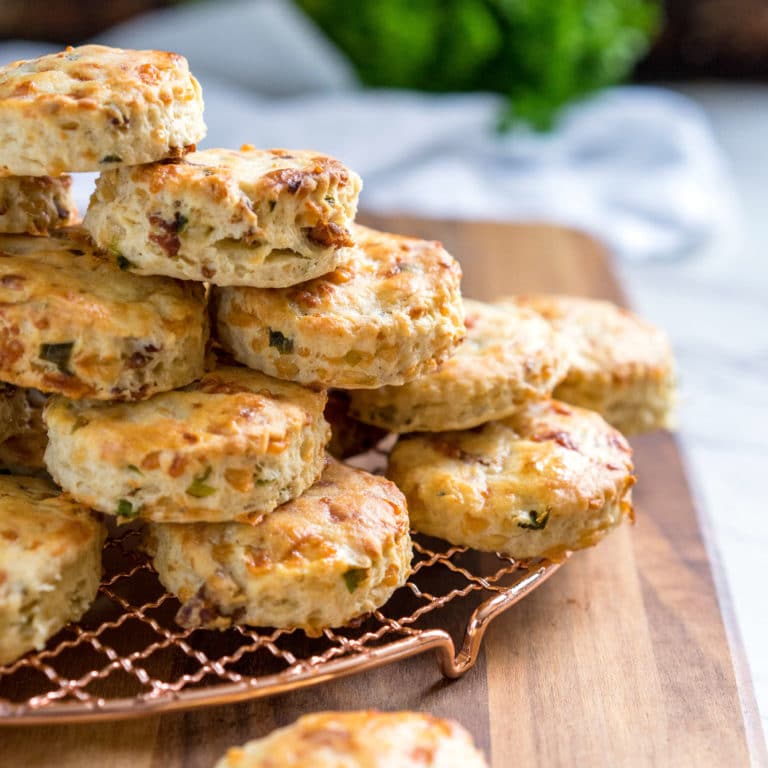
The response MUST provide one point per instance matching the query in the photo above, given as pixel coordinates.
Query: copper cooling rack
(127, 657)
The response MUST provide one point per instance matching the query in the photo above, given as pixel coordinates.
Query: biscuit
(349, 437)
(50, 563)
(267, 218)
(360, 740)
(34, 205)
(73, 323)
(510, 356)
(233, 443)
(549, 479)
(21, 453)
(93, 107)
(391, 313)
(334, 553)
(619, 365)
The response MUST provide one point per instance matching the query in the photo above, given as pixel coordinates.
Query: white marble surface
(714, 304)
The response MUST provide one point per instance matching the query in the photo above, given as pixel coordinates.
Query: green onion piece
(282, 344)
(59, 354)
(537, 523)
(125, 509)
(354, 577)
(198, 488)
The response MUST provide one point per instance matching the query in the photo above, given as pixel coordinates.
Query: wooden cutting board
(621, 659)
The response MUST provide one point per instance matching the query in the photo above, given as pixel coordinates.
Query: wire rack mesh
(127, 656)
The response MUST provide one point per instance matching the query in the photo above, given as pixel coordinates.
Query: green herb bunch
(542, 54)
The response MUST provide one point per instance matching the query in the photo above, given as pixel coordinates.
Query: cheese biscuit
(73, 323)
(266, 218)
(233, 443)
(509, 358)
(360, 740)
(618, 365)
(50, 562)
(335, 553)
(549, 479)
(94, 107)
(391, 313)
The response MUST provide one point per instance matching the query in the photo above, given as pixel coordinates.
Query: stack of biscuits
(170, 360)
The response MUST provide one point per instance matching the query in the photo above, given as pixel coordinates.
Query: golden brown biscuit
(391, 313)
(550, 478)
(360, 740)
(510, 357)
(266, 218)
(93, 107)
(50, 563)
(34, 205)
(73, 323)
(336, 552)
(233, 443)
(619, 365)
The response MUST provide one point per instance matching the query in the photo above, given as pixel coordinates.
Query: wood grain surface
(621, 659)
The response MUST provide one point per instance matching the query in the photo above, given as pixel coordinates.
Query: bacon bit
(137, 360)
(13, 281)
(561, 438)
(208, 272)
(168, 239)
(178, 465)
(290, 178)
(329, 235)
(188, 437)
(151, 460)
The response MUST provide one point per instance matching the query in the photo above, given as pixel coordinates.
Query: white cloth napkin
(637, 166)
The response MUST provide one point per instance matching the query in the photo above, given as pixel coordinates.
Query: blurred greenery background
(542, 54)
